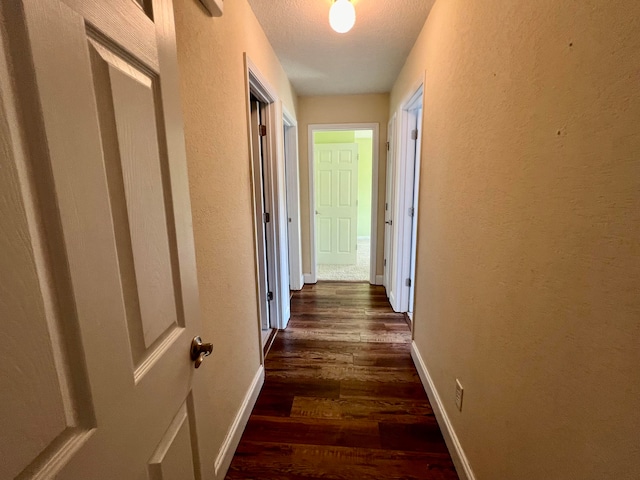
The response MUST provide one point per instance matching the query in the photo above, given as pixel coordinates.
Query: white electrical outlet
(459, 392)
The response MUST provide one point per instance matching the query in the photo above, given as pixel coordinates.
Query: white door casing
(336, 203)
(99, 295)
(406, 182)
(269, 195)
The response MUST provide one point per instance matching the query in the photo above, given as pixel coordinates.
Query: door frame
(387, 273)
(406, 185)
(375, 127)
(292, 174)
(275, 231)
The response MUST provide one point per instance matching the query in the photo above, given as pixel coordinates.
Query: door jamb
(375, 127)
(296, 278)
(257, 85)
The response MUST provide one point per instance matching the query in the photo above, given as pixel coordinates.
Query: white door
(414, 209)
(336, 186)
(388, 209)
(98, 292)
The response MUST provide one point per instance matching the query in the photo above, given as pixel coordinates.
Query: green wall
(365, 162)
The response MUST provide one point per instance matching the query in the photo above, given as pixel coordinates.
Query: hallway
(342, 399)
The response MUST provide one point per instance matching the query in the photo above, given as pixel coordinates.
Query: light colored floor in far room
(353, 273)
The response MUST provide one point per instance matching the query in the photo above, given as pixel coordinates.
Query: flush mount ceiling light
(342, 16)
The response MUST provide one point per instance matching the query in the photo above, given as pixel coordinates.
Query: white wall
(213, 90)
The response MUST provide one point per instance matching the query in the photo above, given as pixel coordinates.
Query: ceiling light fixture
(342, 16)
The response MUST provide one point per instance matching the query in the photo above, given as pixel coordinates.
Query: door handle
(199, 351)
(389, 222)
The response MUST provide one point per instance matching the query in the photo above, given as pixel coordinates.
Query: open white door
(99, 296)
(388, 209)
(336, 202)
(417, 117)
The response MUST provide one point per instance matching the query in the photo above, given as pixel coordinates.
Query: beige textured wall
(370, 108)
(210, 55)
(529, 232)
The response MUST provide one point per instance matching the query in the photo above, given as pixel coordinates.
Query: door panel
(345, 193)
(325, 188)
(104, 300)
(173, 459)
(345, 231)
(129, 111)
(336, 179)
(43, 385)
(325, 235)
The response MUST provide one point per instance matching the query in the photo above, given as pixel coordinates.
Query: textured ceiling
(320, 61)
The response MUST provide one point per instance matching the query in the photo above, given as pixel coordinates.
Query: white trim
(292, 174)
(274, 183)
(375, 127)
(231, 441)
(379, 279)
(309, 278)
(451, 439)
(392, 298)
(214, 8)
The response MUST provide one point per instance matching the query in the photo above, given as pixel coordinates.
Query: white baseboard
(451, 439)
(234, 434)
(379, 279)
(392, 301)
(308, 278)
(301, 282)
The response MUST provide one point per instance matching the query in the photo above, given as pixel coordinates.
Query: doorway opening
(263, 193)
(270, 212)
(344, 178)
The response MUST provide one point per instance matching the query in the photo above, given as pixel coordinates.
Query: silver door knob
(199, 351)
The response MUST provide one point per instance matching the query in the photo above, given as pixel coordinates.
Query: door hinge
(266, 217)
(412, 211)
(385, 262)
(387, 146)
(414, 134)
(262, 130)
(408, 282)
(269, 296)
(386, 206)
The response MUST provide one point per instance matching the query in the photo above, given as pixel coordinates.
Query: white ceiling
(320, 61)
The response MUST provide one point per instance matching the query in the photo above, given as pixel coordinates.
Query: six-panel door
(99, 291)
(336, 192)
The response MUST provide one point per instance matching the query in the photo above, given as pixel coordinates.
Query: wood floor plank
(342, 398)
(271, 461)
(398, 411)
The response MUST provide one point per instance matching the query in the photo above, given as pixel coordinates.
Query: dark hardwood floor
(342, 398)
